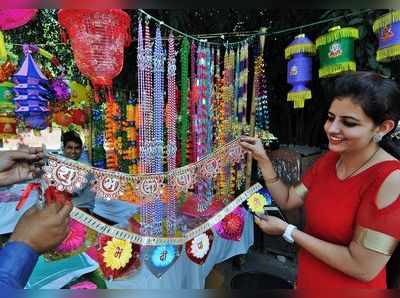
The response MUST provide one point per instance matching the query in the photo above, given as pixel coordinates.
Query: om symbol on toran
(110, 185)
(65, 175)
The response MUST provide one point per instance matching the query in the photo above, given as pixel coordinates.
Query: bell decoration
(31, 104)
(336, 51)
(299, 70)
(388, 29)
(98, 38)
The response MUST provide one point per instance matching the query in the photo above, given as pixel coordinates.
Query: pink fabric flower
(84, 285)
(75, 239)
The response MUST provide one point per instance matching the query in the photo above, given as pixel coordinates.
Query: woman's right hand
(255, 147)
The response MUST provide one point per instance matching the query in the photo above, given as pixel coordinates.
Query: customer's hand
(271, 225)
(255, 147)
(43, 229)
(20, 165)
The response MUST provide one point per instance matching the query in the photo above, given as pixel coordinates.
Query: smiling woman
(350, 195)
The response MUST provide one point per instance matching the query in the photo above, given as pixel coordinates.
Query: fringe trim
(7, 84)
(335, 69)
(387, 19)
(336, 35)
(302, 95)
(298, 104)
(6, 108)
(8, 136)
(387, 54)
(8, 120)
(308, 48)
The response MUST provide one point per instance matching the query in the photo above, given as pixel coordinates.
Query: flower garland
(192, 104)
(219, 116)
(183, 114)
(227, 95)
(111, 127)
(171, 134)
(261, 95)
(242, 107)
(98, 152)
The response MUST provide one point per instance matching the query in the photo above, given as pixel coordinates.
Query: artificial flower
(75, 239)
(257, 202)
(200, 246)
(117, 253)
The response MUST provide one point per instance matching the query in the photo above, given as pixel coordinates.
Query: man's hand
(19, 165)
(43, 229)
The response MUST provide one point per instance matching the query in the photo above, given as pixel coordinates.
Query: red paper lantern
(98, 38)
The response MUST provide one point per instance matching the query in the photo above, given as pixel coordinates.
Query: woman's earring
(377, 137)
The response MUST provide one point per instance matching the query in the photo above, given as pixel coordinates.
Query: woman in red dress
(350, 195)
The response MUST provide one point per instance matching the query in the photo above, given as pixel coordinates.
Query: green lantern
(336, 51)
(6, 96)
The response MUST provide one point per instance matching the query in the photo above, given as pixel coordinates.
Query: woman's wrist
(264, 162)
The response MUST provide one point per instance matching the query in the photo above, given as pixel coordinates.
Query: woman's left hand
(271, 225)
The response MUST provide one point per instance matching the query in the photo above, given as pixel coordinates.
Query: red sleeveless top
(333, 208)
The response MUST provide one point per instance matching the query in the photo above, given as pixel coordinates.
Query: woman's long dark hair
(378, 97)
(380, 100)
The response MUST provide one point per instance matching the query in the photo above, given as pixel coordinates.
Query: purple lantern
(31, 104)
(299, 70)
(388, 29)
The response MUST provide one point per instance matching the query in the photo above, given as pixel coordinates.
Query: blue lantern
(388, 29)
(299, 70)
(31, 104)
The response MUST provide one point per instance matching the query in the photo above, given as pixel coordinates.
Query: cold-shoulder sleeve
(378, 229)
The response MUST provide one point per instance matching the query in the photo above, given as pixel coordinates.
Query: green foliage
(44, 31)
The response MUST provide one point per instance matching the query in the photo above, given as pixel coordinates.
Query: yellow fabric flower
(117, 253)
(256, 203)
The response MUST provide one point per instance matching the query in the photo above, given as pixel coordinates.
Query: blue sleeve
(17, 261)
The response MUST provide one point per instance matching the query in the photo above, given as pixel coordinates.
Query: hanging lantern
(388, 29)
(8, 126)
(336, 51)
(98, 38)
(6, 96)
(299, 70)
(31, 105)
(14, 18)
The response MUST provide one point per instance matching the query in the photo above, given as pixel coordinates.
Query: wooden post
(253, 113)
